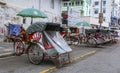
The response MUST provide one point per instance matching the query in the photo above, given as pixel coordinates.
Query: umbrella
(83, 24)
(33, 13)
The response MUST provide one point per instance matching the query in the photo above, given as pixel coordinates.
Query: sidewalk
(1, 38)
(6, 49)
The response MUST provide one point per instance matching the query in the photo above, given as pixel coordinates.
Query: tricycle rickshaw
(43, 41)
(98, 36)
(71, 35)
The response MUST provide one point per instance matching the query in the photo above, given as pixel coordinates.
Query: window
(96, 3)
(104, 3)
(69, 4)
(89, 11)
(52, 4)
(103, 18)
(77, 3)
(104, 10)
(81, 2)
(96, 27)
(65, 4)
(72, 3)
(96, 11)
(82, 12)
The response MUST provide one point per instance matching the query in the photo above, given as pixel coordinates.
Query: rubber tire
(18, 50)
(89, 40)
(36, 60)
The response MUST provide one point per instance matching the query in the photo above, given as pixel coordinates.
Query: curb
(6, 55)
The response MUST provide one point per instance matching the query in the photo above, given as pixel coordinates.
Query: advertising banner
(73, 16)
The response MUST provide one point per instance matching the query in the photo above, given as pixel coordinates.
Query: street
(34, 29)
(105, 60)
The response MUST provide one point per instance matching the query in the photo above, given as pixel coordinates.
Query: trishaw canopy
(42, 26)
(103, 31)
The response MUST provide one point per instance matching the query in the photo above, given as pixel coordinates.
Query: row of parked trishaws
(45, 40)
(90, 37)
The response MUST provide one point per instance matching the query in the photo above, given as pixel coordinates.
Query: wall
(108, 7)
(54, 15)
(94, 21)
(84, 7)
(52, 12)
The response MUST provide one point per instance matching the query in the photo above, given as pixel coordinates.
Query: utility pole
(100, 15)
(113, 11)
(113, 8)
(101, 7)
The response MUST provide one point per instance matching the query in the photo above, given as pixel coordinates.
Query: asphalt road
(105, 60)
(20, 64)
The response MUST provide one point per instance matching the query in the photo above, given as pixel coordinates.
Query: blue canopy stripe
(15, 29)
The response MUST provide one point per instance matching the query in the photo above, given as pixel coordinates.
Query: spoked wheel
(35, 54)
(91, 42)
(75, 40)
(18, 47)
(100, 40)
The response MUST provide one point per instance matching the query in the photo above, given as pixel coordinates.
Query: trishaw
(98, 36)
(43, 41)
(70, 34)
(90, 37)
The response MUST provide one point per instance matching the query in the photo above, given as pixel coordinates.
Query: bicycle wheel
(75, 40)
(35, 54)
(18, 47)
(91, 42)
(100, 40)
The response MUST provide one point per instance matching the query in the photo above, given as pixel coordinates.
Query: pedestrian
(77, 31)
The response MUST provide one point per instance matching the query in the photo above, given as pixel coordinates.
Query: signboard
(113, 21)
(100, 17)
(73, 16)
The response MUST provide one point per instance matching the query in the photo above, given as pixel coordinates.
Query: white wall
(54, 15)
(94, 21)
(21, 3)
(108, 10)
(108, 7)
